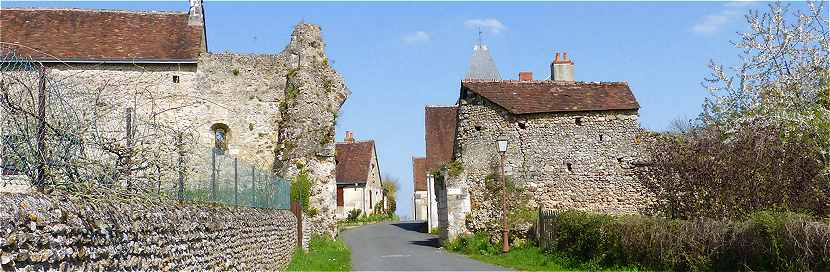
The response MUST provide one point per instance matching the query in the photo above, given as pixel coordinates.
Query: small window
(601, 138)
(522, 125)
(220, 138)
(570, 167)
(578, 121)
(478, 128)
(175, 79)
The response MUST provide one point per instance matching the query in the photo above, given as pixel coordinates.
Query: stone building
(276, 111)
(571, 145)
(359, 185)
(420, 197)
(440, 122)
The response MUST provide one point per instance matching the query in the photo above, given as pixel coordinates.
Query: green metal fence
(225, 179)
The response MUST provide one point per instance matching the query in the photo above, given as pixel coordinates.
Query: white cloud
(491, 25)
(713, 23)
(415, 37)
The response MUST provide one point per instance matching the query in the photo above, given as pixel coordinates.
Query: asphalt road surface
(399, 246)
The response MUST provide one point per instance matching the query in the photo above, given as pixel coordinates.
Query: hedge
(762, 241)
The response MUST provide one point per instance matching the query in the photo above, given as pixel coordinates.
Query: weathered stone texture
(55, 232)
(566, 160)
(280, 110)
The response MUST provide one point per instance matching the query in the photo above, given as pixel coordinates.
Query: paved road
(398, 246)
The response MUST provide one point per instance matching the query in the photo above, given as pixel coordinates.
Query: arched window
(220, 137)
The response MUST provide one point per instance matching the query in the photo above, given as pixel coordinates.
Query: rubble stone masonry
(564, 160)
(39, 232)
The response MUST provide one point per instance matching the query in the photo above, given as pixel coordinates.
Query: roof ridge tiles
(100, 10)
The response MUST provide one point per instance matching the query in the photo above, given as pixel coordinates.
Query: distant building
(572, 145)
(420, 203)
(359, 185)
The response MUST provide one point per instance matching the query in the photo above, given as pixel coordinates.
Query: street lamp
(505, 245)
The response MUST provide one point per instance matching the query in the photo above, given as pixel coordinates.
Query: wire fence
(72, 130)
(234, 182)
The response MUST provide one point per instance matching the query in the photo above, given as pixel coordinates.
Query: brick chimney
(349, 137)
(525, 76)
(562, 69)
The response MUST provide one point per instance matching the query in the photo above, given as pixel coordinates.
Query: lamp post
(502, 144)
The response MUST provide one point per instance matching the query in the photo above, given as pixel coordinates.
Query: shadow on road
(412, 226)
(431, 242)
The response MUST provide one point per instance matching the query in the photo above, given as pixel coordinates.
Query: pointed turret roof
(482, 66)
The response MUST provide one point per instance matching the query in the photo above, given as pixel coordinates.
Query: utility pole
(40, 179)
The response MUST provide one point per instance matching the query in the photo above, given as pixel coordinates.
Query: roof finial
(479, 36)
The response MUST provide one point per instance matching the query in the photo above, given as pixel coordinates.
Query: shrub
(354, 214)
(478, 243)
(301, 191)
(708, 172)
(454, 168)
(762, 241)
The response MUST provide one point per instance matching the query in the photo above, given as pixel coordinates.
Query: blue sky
(398, 57)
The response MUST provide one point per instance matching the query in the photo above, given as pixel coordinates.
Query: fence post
(297, 209)
(213, 175)
(180, 146)
(253, 186)
(129, 137)
(40, 179)
(236, 181)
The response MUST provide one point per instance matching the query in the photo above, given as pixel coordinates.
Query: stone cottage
(571, 145)
(420, 197)
(275, 111)
(359, 185)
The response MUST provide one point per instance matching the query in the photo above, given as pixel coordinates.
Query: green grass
(522, 256)
(324, 254)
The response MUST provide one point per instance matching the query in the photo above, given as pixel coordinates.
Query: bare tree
(63, 132)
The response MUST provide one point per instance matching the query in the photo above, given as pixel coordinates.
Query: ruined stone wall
(280, 111)
(571, 160)
(40, 232)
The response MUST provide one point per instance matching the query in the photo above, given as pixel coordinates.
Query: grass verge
(522, 256)
(324, 254)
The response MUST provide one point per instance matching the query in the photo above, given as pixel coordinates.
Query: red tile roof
(440, 135)
(76, 34)
(523, 97)
(353, 160)
(419, 173)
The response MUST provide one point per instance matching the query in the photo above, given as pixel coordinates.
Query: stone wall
(57, 232)
(569, 160)
(279, 109)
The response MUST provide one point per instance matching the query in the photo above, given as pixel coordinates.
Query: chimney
(525, 76)
(196, 15)
(349, 137)
(562, 69)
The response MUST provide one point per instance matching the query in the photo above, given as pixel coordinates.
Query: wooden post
(180, 146)
(236, 181)
(128, 158)
(253, 186)
(297, 209)
(213, 175)
(40, 178)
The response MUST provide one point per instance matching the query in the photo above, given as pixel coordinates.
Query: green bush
(762, 241)
(301, 191)
(354, 214)
(324, 254)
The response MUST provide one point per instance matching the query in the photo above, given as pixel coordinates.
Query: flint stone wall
(569, 160)
(39, 232)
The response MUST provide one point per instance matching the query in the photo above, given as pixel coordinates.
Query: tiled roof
(77, 34)
(522, 97)
(440, 135)
(419, 174)
(353, 159)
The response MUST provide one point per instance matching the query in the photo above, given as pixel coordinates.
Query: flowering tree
(782, 77)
